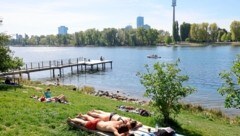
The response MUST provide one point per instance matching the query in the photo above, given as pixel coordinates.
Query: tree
(235, 30)
(152, 35)
(7, 60)
(164, 87)
(231, 85)
(221, 32)
(199, 32)
(213, 30)
(161, 36)
(176, 36)
(168, 40)
(184, 31)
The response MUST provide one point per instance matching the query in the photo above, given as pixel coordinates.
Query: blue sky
(42, 17)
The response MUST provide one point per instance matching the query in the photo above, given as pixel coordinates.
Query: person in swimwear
(92, 123)
(106, 116)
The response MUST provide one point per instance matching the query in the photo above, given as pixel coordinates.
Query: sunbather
(92, 123)
(106, 116)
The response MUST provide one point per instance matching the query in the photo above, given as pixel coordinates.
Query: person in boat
(92, 123)
(107, 116)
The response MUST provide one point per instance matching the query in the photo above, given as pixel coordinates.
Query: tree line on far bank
(205, 32)
(199, 33)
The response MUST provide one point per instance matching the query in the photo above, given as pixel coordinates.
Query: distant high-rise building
(140, 21)
(128, 27)
(62, 30)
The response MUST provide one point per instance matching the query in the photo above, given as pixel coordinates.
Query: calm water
(201, 64)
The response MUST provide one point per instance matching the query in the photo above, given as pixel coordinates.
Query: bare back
(108, 126)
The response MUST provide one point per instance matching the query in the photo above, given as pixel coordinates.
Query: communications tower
(174, 3)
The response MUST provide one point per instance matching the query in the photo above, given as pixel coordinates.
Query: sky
(43, 17)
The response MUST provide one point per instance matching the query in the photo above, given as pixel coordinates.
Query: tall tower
(174, 3)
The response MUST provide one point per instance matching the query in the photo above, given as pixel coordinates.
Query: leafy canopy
(164, 85)
(231, 85)
(7, 60)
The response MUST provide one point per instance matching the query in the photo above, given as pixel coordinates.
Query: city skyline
(44, 17)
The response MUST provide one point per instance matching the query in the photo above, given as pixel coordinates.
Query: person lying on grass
(92, 123)
(107, 116)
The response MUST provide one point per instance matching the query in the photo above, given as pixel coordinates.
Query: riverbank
(38, 118)
(191, 44)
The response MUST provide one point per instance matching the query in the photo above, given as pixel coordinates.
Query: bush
(164, 86)
(87, 90)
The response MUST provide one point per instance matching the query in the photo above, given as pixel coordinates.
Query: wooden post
(42, 64)
(53, 73)
(50, 64)
(31, 65)
(97, 67)
(91, 67)
(71, 70)
(60, 72)
(26, 67)
(77, 66)
(28, 75)
(38, 65)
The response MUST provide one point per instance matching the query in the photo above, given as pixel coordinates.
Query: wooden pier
(82, 64)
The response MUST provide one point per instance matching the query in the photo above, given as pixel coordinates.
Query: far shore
(186, 44)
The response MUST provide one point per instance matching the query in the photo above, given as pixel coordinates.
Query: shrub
(87, 89)
(164, 86)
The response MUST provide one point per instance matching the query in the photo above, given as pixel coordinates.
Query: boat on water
(154, 56)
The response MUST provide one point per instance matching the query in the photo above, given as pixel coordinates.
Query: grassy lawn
(22, 115)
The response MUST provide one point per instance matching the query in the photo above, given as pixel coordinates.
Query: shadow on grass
(177, 127)
(5, 87)
(80, 132)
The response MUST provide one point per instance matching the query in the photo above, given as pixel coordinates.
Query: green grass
(22, 115)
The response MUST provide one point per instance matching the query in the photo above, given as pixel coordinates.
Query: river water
(201, 64)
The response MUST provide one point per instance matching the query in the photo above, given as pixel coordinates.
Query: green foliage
(162, 36)
(213, 32)
(164, 87)
(231, 85)
(235, 30)
(8, 62)
(185, 31)
(106, 37)
(168, 40)
(87, 90)
(176, 36)
(221, 32)
(199, 32)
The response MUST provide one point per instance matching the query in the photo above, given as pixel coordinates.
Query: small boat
(154, 56)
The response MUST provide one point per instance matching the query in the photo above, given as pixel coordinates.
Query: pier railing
(51, 63)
